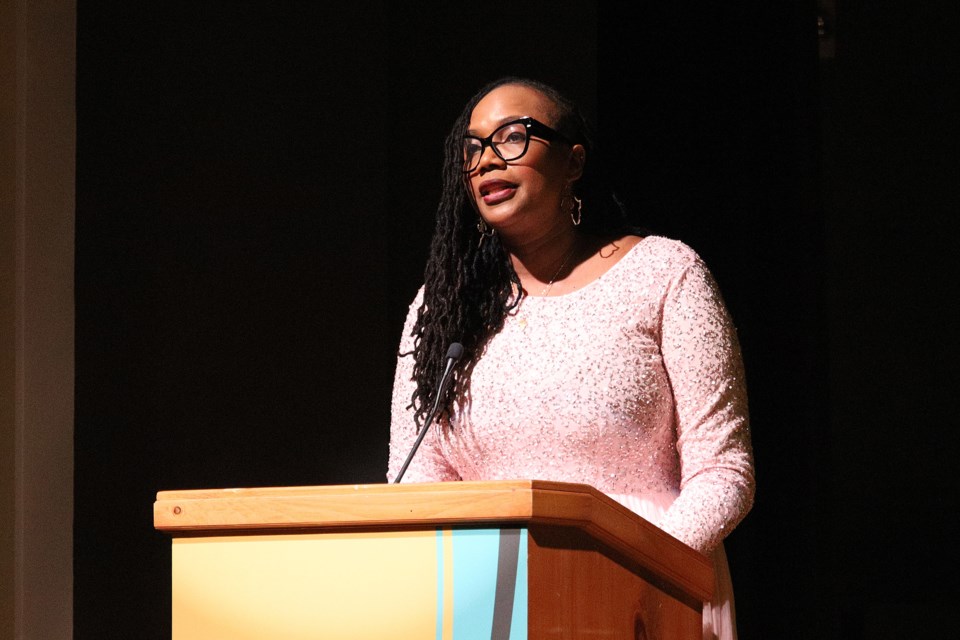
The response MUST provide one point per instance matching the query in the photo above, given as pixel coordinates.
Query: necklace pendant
(522, 322)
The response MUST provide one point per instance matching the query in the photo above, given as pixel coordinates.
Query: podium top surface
(277, 510)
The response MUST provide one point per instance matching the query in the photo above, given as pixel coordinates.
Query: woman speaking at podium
(584, 350)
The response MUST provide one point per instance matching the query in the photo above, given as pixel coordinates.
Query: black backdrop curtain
(256, 185)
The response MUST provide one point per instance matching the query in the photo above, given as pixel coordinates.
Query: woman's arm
(428, 464)
(703, 361)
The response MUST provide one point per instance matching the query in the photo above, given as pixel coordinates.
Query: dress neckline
(606, 275)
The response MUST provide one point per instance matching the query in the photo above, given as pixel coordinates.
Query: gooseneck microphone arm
(453, 354)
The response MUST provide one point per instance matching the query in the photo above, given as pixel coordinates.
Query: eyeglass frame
(532, 127)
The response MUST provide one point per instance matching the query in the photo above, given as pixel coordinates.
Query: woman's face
(521, 198)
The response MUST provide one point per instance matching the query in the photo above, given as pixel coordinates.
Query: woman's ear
(578, 158)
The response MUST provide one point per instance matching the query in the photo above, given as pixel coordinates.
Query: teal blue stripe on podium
(474, 582)
(440, 584)
(475, 557)
(518, 627)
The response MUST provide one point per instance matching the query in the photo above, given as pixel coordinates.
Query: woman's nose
(487, 156)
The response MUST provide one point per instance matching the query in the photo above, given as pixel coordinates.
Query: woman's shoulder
(413, 309)
(418, 297)
(658, 253)
(670, 249)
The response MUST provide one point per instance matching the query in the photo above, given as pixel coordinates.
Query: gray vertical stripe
(507, 560)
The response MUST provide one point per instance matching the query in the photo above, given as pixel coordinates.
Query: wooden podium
(458, 560)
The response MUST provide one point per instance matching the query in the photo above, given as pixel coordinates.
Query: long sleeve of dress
(702, 358)
(428, 464)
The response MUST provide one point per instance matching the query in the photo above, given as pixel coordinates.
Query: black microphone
(453, 354)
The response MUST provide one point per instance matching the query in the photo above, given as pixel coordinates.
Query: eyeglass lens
(509, 142)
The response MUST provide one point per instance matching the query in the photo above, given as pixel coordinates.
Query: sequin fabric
(633, 384)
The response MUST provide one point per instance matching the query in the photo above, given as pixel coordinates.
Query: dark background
(256, 188)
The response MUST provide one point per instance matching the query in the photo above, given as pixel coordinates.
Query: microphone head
(455, 351)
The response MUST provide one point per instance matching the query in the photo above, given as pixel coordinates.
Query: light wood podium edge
(272, 510)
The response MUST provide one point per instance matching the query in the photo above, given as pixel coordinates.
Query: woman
(592, 354)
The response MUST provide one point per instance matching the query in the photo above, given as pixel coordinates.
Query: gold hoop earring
(576, 211)
(572, 205)
(484, 230)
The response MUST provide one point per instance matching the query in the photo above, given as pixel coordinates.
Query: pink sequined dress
(633, 384)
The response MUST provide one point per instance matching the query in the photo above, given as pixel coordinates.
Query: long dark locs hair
(470, 287)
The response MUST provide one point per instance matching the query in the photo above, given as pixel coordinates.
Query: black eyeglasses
(509, 141)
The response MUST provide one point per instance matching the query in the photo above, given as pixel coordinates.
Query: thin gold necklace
(522, 320)
(566, 259)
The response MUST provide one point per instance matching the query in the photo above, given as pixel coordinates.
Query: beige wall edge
(37, 187)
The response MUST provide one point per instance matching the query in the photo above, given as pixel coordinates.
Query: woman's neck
(542, 260)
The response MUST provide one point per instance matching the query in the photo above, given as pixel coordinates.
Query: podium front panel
(447, 583)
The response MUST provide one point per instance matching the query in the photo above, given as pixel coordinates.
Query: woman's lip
(498, 193)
